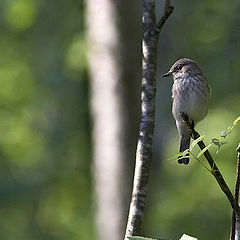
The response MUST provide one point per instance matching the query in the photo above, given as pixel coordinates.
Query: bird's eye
(179, 67)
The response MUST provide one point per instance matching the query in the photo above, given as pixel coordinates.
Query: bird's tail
(184, 144)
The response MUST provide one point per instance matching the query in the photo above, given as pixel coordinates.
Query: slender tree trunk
(114, 39)
(144, 151)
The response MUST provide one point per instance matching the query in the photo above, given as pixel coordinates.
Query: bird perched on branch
(190, 95)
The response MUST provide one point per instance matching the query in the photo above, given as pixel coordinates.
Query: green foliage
(196, 141)
(218, 143)
(215, 141)
(204, 150)
(226, 132)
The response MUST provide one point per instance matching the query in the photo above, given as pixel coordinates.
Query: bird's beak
(166, 74)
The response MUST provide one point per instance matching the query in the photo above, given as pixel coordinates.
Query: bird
(190, 95)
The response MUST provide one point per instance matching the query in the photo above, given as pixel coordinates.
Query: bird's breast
(190, 95)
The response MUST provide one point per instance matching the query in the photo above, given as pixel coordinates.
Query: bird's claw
(184, 116)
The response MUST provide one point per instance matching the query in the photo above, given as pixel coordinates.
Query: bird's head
(183, 67)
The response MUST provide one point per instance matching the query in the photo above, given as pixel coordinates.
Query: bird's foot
(184, 116)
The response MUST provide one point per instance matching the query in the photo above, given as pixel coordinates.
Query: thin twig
(144, 147)
(236, 194)
(214, 169)
(156, 29)
(167, 12)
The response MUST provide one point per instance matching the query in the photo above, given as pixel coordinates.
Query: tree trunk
(115, 68)
(144, 153)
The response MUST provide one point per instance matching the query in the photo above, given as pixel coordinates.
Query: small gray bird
(190, 94)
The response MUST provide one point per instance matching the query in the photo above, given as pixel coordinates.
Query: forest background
(46, 148)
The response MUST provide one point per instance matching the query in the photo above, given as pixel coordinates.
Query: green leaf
(186, 237)
(179, 155)
(204, 150)
(216, 141)
(223, 133)
(175, 156)
(186, 152)
(196, 141)
(230, 128)
(236, 121)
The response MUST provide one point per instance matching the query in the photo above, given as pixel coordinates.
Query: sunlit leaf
(225, 133)
(204, 150)
(186, 152)
(216, 141)
(186, 237)
(179, 155)
(196, 141)
(175, 156)
(236, 121)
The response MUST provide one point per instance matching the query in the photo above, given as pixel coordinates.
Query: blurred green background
(45, 145)
(44, 121)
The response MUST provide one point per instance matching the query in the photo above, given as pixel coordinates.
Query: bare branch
(215, 171)
(168, 9)
(156, 28)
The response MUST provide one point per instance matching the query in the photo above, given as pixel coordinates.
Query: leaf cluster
(215, 141)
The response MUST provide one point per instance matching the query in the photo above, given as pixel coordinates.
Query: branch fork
(156, 29)
(144, 152)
